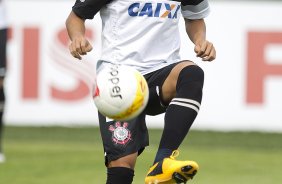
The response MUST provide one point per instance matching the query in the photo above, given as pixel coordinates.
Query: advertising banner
(243, 86)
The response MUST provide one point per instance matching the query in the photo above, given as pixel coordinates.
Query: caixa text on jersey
(162, 10)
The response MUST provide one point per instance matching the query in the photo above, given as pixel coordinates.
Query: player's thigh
(123, 141)
(169, 85)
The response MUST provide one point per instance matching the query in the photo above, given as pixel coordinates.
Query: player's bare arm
(196, 30)
(76, 29)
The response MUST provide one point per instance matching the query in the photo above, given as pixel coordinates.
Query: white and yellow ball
(121, 92)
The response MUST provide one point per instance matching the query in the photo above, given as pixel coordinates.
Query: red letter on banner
(257, 67)
(30, 76)
(81, 90)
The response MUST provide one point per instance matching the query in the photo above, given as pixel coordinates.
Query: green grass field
(57, 155)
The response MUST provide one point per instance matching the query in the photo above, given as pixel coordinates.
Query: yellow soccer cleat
(171, 171)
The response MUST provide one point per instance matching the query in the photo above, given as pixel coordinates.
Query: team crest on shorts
(120, 133)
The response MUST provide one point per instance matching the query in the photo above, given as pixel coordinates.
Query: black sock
(162, 153)
(120, 175)
(182, 110)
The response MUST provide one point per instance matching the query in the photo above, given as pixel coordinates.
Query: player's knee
(126, 164)
(190, 82)
(191, 73)
(126, 161)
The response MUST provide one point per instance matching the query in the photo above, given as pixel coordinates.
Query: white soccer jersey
(144, 33)
(3, 18)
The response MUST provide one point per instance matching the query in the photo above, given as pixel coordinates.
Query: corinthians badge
(120, 134)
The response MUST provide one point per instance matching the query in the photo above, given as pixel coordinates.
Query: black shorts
(124, 138)
(3, 50)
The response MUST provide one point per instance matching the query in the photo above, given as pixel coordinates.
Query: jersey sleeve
(87, 9)
(195, 9)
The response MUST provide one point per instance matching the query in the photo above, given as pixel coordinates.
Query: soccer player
(144, 34)
(3, 44)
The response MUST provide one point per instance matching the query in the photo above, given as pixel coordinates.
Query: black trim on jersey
(190, 2)
(87, 9)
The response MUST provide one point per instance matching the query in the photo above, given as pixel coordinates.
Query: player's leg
(2, 100)
(3, 43)
(123, 142)
(182, 89)
(181, 92)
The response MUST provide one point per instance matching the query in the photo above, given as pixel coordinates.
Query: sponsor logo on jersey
(162, 10)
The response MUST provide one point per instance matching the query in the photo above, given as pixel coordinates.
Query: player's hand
(205, 50)
(79, 46)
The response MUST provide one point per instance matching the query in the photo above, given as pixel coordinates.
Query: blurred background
(51, 133)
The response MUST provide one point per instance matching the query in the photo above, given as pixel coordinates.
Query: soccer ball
(121, 92)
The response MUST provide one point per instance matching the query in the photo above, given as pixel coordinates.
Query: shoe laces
(174, 154)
